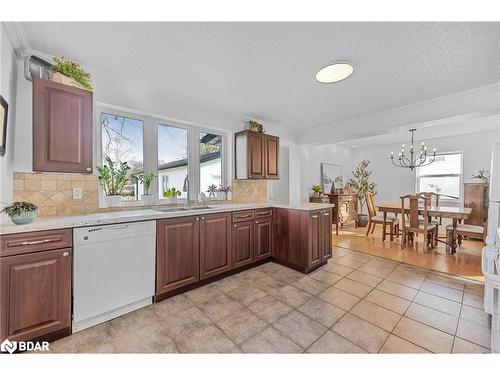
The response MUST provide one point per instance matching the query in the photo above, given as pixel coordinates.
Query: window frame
(150, 149)
(459, 175)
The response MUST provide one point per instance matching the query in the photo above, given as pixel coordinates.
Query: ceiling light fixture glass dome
(335, 72)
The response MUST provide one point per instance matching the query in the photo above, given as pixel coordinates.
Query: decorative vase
(24, 218)
(362, 220)
(316, 194)
(147, 198)
(113, 200)
(172, 200)
(221, 195)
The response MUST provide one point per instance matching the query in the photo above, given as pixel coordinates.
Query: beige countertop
(7, 227)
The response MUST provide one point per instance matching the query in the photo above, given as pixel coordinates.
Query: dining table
(454, 213)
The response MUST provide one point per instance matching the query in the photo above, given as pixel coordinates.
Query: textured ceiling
(266, 70)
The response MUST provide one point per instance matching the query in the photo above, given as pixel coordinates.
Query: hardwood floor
(465, 263)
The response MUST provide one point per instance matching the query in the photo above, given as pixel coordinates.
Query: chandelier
(411, 159)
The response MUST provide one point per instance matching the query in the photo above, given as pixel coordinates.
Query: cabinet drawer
(266, 212)
(243, 216)
(22, 243)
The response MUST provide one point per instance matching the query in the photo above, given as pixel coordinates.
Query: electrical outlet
(77, 193)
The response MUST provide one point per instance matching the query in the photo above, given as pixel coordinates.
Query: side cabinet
(35, 286)
(177, 253)
(62, 128)
(215, 244)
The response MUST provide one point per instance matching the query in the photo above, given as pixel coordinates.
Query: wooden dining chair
(434, 201)
(374, 218)
(414, 224)
(464, 230)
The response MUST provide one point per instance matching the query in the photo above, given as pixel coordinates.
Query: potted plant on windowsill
(223, 192)
(360, 183)
(171, 195)
(113, 178)
(316, 188)
(212, 191)
(21, 213)
(146, 179)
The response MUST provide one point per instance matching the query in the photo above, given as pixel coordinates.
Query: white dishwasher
(113, 271)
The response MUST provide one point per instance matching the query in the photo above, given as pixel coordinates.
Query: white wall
(393, 182)
(8, 88)
(311, 158)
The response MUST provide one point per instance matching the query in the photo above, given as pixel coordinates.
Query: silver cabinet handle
(235, 225)
(89, 169)
(314, 216)
(197, 219)
(35, 242)
(66, 254)
(256, 222)
(326, 214)
(203, 218)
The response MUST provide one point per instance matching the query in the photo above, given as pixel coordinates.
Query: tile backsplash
(249, 191)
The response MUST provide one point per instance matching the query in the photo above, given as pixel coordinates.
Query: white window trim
(445, 199)
(150, 148)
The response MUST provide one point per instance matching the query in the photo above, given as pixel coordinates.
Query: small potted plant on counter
(212, 191)
(316, 188)
(146, 179)
(21, 213)
(223, 192)
(113, 178)
(171, 195)
(360, 183)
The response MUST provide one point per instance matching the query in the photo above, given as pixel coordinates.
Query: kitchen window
(169, 149)
(443, 176)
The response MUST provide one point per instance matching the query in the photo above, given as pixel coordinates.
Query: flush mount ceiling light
(334, 72)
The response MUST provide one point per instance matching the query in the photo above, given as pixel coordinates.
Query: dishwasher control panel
(112, 232)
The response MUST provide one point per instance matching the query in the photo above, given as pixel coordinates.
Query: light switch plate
(77, 193)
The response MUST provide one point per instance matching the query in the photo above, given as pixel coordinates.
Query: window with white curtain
(443, 176)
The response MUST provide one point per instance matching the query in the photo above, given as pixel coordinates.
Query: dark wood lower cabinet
(242, 239)
(177, 253)
(315, 240)
(263, 238)
(35, 294)
(326, 234)
(215, 244)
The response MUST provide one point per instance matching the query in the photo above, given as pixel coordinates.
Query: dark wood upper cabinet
(62, 128)
(177, 253)
(242, 238)
(256, 155)
(215, 244)
(35, 295)
(263, 238)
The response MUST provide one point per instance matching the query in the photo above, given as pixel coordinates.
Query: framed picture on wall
(331, 177)
(4, 107)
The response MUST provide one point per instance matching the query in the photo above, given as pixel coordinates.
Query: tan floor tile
(288, 275)
(473, 300)
(474, 288)
(474, 315)
(86, 339)
(411, 281)
(152, 339)
(364, 278)
(270, 267)
(476, 333)
(337, 268)
(203, 293)
(229, 283)
(353, 287)
(310, 285)
(133, 321)
(325, 277)
(433, 318)
(291, 296)
(172, 305)
(251, 275)
(465, 347)
(269, 309)
(299, 328)
(359, 257)
(376, 315)
(398, 290)
(185, 322)
(269, 284)
(270, 341)
(209, 339)
(246, 294)
(219, 307)
(442, 291)
(331, 342)
(388, 301)
(339, 298)
(376, 270)
(348, 262)
(437, 303)
(446, 281)
(241, 325)
(322, 311)
(382, 262)
(340, 252)
(413, 271)
(427, 337)
(395, 345)
(361, 333)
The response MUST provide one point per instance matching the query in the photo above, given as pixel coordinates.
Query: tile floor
(355, 304)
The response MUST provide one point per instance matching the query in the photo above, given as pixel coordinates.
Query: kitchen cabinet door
(215, 244)
(263, 239)
(177, 253)
(326, 234)
(256, 155)
(315, 240)
(35, 294)
(62, 128)
(272, 150)
(242, 238)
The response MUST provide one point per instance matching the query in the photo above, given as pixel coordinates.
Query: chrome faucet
(185, 188)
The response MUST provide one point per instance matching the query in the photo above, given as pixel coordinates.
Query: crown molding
(17, 37)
